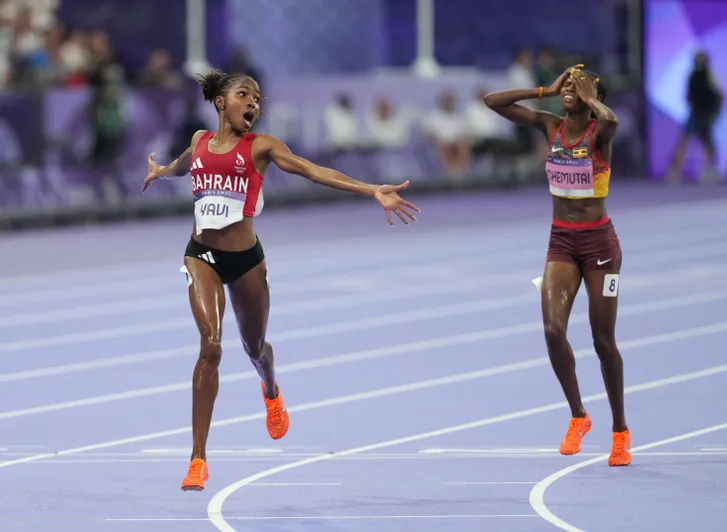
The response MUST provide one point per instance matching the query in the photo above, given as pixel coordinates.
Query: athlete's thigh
(250, 298)
(561, 282)
(206, 297)
(602, 284)
(602, 273)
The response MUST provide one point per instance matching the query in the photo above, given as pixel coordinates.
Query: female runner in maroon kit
(227, 170)
(583, 243)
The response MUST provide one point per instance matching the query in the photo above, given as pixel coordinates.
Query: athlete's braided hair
(215, 83)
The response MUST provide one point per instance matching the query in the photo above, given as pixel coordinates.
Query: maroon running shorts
(590, 245)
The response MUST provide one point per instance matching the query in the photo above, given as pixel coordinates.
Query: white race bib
(216, 211)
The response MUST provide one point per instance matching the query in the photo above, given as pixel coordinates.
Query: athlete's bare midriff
(581, 210)
(239, 236)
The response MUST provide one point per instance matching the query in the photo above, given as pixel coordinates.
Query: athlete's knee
(255, 348)
(605, 347)
(210, 351)
(554, 333)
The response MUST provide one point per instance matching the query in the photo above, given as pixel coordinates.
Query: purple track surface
(415, 352)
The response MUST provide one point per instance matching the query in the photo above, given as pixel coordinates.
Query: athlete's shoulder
(262, 142)
(197, 137)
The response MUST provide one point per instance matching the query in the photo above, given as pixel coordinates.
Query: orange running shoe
(621, 449)
(277, 419)
(578, 427)
(197, 475)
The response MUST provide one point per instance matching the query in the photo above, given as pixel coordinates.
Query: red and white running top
(226, 186)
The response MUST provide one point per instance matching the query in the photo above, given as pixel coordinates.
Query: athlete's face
(242, 104)
(568, 96)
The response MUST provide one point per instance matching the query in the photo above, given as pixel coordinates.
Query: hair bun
(210, 84)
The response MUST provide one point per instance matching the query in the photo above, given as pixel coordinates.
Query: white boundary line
(450, 284)
(405, 348)
(385, 392)
(506, 257)
(537, 494)
(328, 517)
(628, 216)
(635, 282)
(214, 508)
(385, 320)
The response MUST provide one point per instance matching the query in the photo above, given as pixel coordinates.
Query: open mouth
(248, 116)
(569, 98)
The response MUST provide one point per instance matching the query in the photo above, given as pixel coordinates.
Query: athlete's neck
(576, 123)
(227, 133)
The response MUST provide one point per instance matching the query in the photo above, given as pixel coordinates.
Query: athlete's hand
(388, 198)
(154, 171)
(584, 86)
(557, 86)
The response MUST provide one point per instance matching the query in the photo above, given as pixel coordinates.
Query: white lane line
(295, 484)
(146, 283)
(283, 309)
(328, 517)
(393, 390)
(537, 494)
(374, 295)
(406, 348)
(301, 252)
(214, 508)
(295, 334)
(351, 278)
(483, 483)
(357, 458)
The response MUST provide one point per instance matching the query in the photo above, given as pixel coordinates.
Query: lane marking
(294, 334)
(285, 251)
(363, 396)
(537, 494)
(342, 301)
(214, 508)
(400, 349)
(505, 450)
(330, 517)
(356, 458)
(483, 483)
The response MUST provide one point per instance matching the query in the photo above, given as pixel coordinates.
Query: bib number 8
(610, 285)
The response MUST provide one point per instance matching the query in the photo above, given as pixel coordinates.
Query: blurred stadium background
(383, 90)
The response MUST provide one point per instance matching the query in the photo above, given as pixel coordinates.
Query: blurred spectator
(388, 130)
(487, 129)
(448, 131)
(74, 59)
(191, 123)
(109, 122)
(158, 72)
(341, 124)
(704, 98)
(103, 68)
(546, 72)
(241, 63)
(521, 76)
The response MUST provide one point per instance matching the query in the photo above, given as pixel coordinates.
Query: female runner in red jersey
(227, 170)
(583, 243)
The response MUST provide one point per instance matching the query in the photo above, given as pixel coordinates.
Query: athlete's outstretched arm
(505, 103)
(279, 154)
(177, 168)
